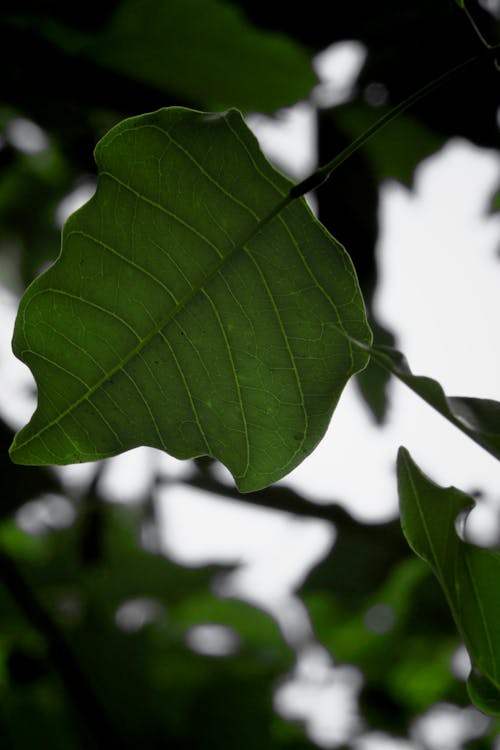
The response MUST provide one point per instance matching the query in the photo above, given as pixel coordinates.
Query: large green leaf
(469, 575)
(180, 315)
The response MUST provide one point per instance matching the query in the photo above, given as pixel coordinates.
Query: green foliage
(151, 42)
(138, 668)
(187, 323)
(468, 574)
(388, 626)
(73, 673)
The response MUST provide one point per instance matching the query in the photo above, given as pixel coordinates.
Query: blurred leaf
(362, 557)
(171, 297)
(377, 608)
(256, 628)
(154, 688)
(469, 575)
(38, 718)
(400, 636)
(203, 50)
(20, 484)
(31, 186)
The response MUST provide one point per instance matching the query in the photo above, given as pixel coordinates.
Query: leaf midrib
(164, 322)
(430, 542)
(483, 620)
(183, 301)
(143, 342)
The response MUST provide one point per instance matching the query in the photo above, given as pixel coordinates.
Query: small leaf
(479, 418)
(180, 315)
(469, 575)
(461, 4)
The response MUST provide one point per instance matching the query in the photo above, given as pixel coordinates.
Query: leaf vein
(288, 348)
(188, 391)
(164, 210)
(200, 167)
(236, 380)
(125, 259)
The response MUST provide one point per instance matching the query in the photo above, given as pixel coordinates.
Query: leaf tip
(403, 455)
(405, 465)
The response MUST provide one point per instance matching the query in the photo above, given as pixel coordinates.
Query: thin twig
(322, 174)
(490, 49)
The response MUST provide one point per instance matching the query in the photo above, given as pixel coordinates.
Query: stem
(322, 174)
(474, 25)
(70, 672)
(489, 48)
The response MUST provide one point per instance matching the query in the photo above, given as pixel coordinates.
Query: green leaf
(494, 206)
(484, 694)
(479, 418)
(469, 575)
(204, 51)
(184, 314)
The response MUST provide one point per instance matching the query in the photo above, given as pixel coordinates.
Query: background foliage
(82, 680)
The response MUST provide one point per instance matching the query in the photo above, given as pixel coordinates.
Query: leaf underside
(175, 317)
(469, 575)
(479, 418)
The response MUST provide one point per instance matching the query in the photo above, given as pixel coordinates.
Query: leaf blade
(469, 575)
(478, 418)
(216, 325)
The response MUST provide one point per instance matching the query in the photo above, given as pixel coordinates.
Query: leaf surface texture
(479, 418)
(178, 315)
(469, 575)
